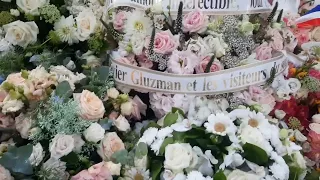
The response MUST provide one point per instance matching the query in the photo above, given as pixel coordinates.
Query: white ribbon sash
(230, 80)
(210, 7)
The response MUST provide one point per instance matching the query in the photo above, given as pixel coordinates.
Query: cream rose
(110, 144)
(178, 156)
(5, 174)
(122, 124)
(31, 6)
(94, 133)
(126, 108)
(37, 155)
(113, 93)
(23, 125)
(315, 34)
(21, 33)
(241, 175)
(113, 168)
(61, 145)
(91, 107)
(86, 24)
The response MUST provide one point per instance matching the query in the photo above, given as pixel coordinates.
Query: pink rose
(161, 104)
(262, 97)
(314, 139)
(83, 175)
(6, 121)
(110, 144)
(5, 174)
(216, 65)
(195, 21)
(128, 60)
(113, 115)
(314, 73)
(182, 62)
(91, 107)
(264, 52)
(139, 108)
(303, 35)
(144, 62)
(119, 20)
(100, 172)
(165, 42)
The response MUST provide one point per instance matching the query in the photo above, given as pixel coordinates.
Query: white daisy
(138, 23)
(66, 30)
(137, 174)
(255, 120)
(220, 124)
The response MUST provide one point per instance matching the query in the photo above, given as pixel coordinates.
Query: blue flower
(57, 99)
(1, 79)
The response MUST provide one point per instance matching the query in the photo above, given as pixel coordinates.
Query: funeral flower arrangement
(63, 117)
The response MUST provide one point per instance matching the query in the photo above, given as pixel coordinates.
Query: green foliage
(313, 175)
(165, 143)
(295, 172)
(99, 81)
(255, 154)
(310, 83)
(29, 17)
(16, 160)
(170, 119)
(124, 157)
(6, 18)
(97, 43)
(11, 62)
(63, 90)
(219, 176)
(50, 13)
(106, 124)
(57, 117)
(156, 167)
(141, 150)
(54, 38)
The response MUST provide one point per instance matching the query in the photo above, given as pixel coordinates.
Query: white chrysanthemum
(134, 173)
(149, 136)
(196, 175)
(220, 124)
(277, 171)
(137, 23)
(66, 30)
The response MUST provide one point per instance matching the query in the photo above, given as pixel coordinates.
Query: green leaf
(219, 176)
(255, 154)
(170, 119)
(17, 160)
(141, 150)
(120, 157)
(106, 124)
(179, 136)
(63, 90)
(71, 159)
(178, 110)
(166, 142)
(295, 172)
(156, 167)
(314, 175)
(103, 73)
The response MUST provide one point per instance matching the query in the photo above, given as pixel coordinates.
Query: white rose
(14, 12)
(61, 145)
(113, 168)
(254, 136)
(86, 24)
(198, 46)
(178, 156)
(241, 175)
(126, 108)
(37, 155)
(113, 93)
(217, 44)
(94, 133)
(157, 8)
(122, 124)
(316, 118)
(23, 125)
(11, 105)
(31, 6)
(21, 33)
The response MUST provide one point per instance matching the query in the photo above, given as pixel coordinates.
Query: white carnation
(94, 133)
(149, 136)
(37, 155)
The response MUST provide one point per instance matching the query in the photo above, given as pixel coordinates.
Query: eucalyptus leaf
(178, 110)
(103, 73)
(255, 154)
(156, 167)
(141, 150)
(166, 142)
(171, 118)
(219, 176)
(64, 90)
(17, 160)
(123, 157)
(106, 124)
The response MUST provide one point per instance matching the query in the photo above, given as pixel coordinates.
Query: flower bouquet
(64, 113)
